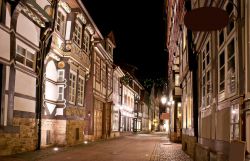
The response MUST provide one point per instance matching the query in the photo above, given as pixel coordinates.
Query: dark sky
(138, 27)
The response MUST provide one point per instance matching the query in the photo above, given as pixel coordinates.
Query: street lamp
(163, 100)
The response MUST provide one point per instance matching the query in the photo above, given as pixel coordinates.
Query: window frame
(72, 98)
(86, 41)
(58, 75)
(60, 93)
(77, 34)
(80, 90)
(98, 69)
(226, 93)
(62, 24)
(206, 72)
(25, 57)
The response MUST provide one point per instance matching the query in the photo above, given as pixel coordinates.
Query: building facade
(174, 11)
(24, 29)
(215, 108)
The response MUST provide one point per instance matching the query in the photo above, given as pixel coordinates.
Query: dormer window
(109, 49)
(86, 42)
(78, 34)
(60, 23)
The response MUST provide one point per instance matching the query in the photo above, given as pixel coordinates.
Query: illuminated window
(25, 57)
(60, 23)
(234, 128)
(77, 35)
(177, 80)
(98, 69)
(206, 74)
(80, 91)
(72, 87)
(86, 42)
(60, 93)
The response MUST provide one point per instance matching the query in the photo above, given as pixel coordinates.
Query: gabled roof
(111, 36)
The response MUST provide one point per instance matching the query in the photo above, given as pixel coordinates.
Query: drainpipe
(45, 43)
(193, 67)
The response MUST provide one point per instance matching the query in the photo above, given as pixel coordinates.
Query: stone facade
(24, 139)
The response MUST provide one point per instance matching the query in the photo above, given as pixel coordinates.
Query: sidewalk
(43, 153)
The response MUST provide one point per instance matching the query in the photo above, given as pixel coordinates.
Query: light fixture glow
(55, 148)
(85, 142)
(163, 100)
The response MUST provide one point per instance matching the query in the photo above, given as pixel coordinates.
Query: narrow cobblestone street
(141, 147)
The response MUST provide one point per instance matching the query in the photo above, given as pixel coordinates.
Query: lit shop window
(25, 57)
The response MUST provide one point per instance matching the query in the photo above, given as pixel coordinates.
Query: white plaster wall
(57, 131)
(4, 45)
(51, 71)
(8, 18)
(23, 104)
(25, 84)
(28, 29)
(51, 91)
(42, 3)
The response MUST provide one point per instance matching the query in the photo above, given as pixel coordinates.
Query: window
(231, 66)
(48, 138)
(60, 93)
(1, 2)
(222, 71)
(104, 78)
(226, 66)
(25, 57)
(80, 91)
(98, 69)
(60, 75)
(221, 37)
(72, 87)
(60, 23)
(2, 89)
(77, 134)
(109, 49)
(206, 74)
(234, 128)
(86, 42)
(230, 11)
(177, 80)
(77, 35)
(110, 80)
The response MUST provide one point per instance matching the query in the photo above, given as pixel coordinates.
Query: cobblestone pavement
(141, 147)
(169, 152)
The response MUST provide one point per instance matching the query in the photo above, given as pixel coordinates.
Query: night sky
(139, 31)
